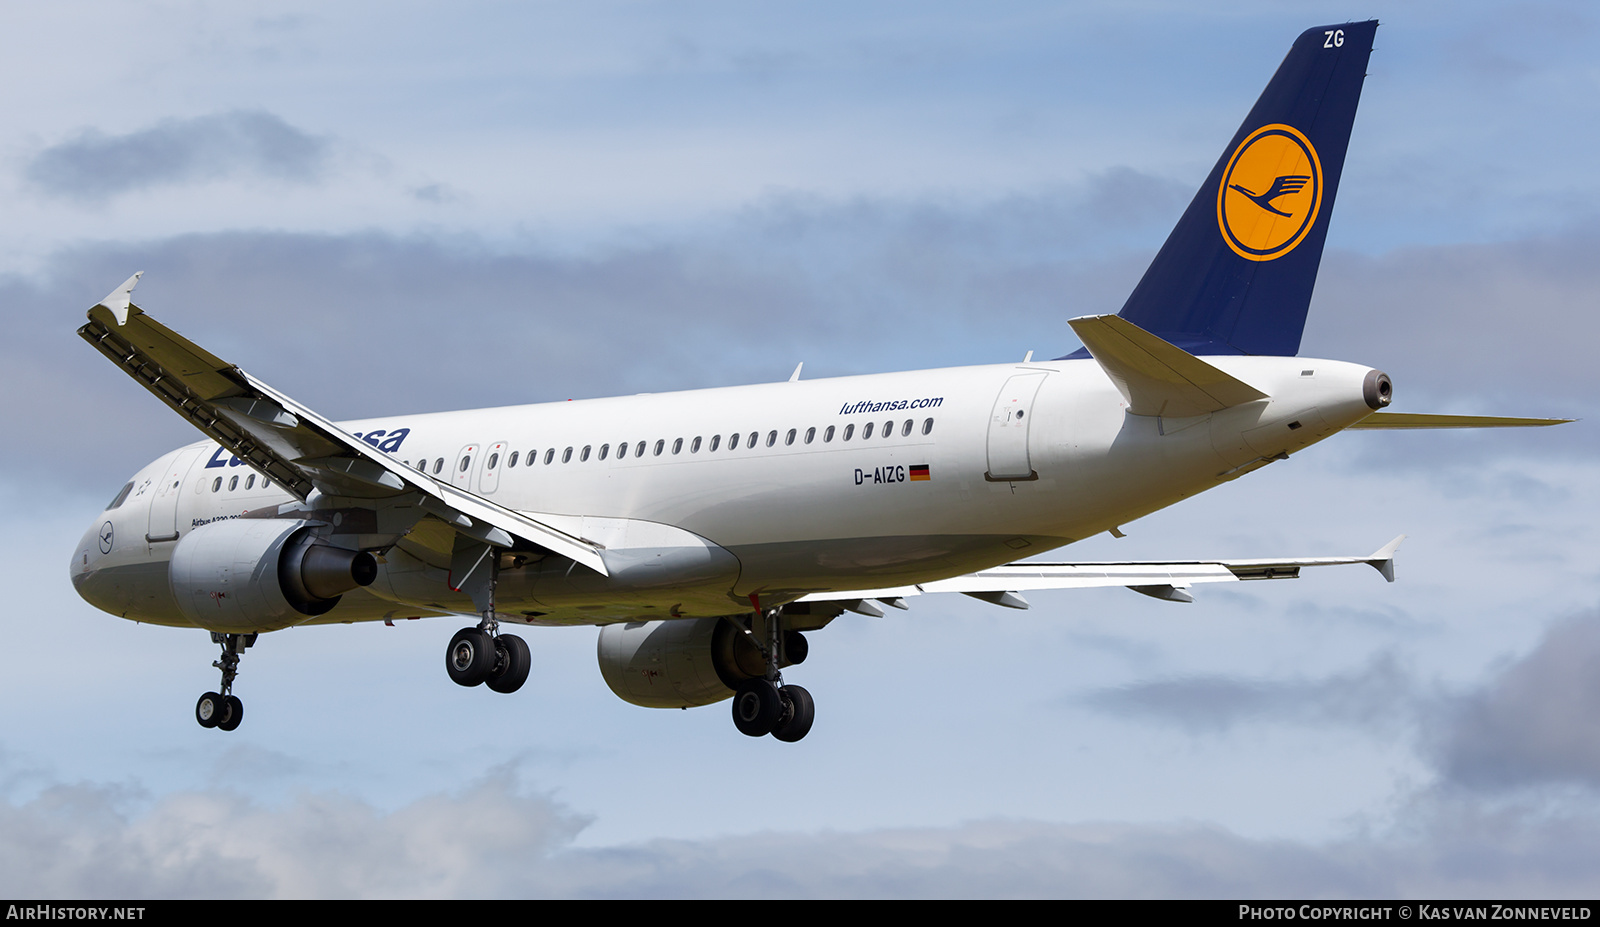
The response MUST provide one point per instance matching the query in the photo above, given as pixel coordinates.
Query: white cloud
(492, 839)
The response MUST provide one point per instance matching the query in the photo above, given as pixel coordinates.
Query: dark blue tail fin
(1236, 274)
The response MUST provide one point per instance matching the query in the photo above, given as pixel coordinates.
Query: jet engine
(246, 574)
(685, 662)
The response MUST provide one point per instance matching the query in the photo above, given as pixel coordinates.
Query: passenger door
(1008, 429)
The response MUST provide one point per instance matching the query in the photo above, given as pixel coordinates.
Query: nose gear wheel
(223, 710)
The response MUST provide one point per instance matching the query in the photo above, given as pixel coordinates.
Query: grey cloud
(94, 166)
(435, 193)
(368, 324)
(1536, 722)
(1510, 323)
(1379, 694)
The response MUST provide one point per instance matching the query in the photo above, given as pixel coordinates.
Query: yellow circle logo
(1270, 193)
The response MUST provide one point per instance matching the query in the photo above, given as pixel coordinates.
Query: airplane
(707, 532)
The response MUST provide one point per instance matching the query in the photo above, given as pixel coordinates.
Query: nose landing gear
(223, 710)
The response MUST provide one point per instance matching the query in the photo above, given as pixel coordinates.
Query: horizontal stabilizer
(1426, 420)
(1155, 376)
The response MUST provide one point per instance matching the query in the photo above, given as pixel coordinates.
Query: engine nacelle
(261, 574)
(685, 662)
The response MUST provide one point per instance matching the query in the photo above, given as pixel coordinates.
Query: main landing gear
(477, 656)
(764, 705)
(223, 710)
(482, 655)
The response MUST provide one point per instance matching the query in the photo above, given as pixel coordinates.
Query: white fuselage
(951, 479)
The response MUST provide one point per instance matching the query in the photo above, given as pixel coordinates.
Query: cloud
(369, 323)
(1378, 694)
(83, 841)
(95, 166)
(1537, 722)
(493, 839)
(1509, 322)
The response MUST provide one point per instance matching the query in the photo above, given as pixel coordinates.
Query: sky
(405, 207)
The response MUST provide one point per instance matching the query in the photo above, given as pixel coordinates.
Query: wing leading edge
(1003, 585)
(288, 442)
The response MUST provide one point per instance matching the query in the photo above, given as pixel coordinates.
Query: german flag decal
(919, 472)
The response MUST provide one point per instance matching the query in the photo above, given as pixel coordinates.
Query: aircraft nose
(92, 583)
(98, 540)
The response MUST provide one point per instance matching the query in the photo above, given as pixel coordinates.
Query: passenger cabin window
(585, 455)
(772, 438)
(827, 436)
(622, 450)
(438, 466)
(733, 441)
(466, 461)
(694, 446)
(638, 450)
(751, 444)
(249, 481)
(715, 440)
(677, 445)
(233, 483)
(906, 428)
(848, 431)
(810, 434)
(566, 456)
(493, 459)
(549, 455)
(888, 429)
(122, 497)
(927, 426)
(788, 439)
(661, 445)
(866, 431)
(604, 450)
(513, 461)
(216, 484)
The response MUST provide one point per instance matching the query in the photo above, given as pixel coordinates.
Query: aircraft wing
(289, 443)
(1170, 581)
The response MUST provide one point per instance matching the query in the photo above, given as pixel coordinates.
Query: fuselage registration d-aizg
(708, 531)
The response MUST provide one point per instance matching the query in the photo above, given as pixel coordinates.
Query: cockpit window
(121, 497)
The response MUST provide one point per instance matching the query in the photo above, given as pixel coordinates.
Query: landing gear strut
(483, 655)
(765, 705)
(223, 710)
